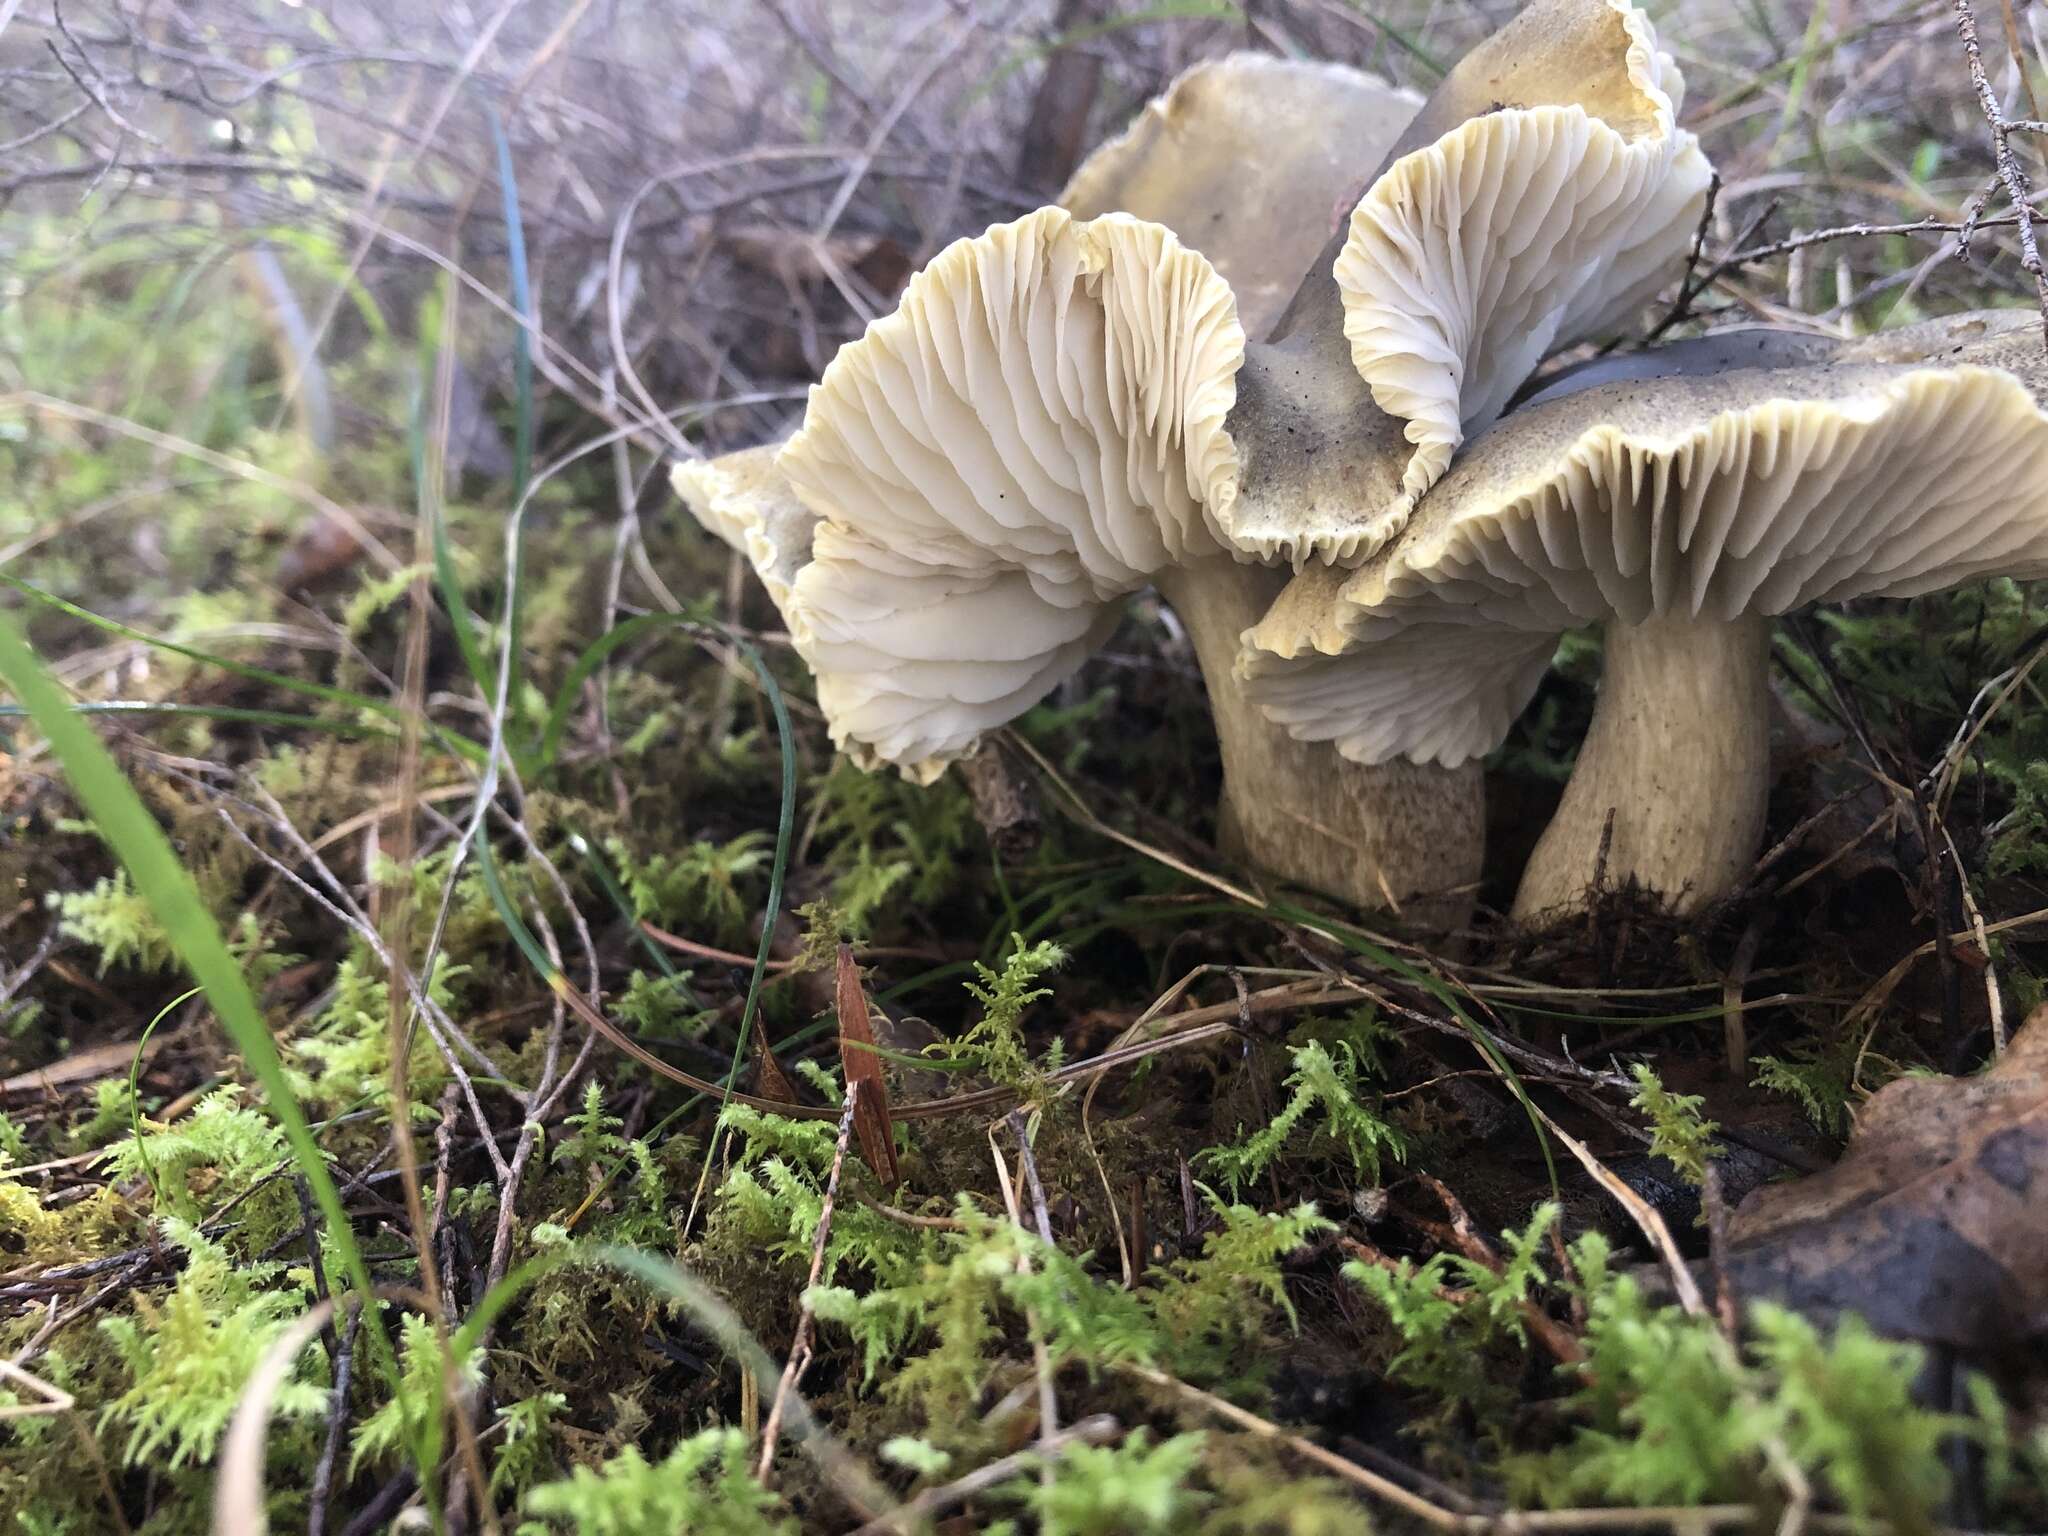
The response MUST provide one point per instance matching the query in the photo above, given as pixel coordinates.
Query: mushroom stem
(1678, 758)
(1377, 837)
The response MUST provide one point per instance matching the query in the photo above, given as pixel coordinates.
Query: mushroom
(748, 503)
(1248, 159)
(1369, 835)
(1542, 195)
(1035, 434)
(1066, 409)
(1685, 498)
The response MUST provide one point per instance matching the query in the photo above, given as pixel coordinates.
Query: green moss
(993, 1045)
(1679, 1133)
(188, 1356)
(1326, 1115)
(113, 919)
(221, 1149)
(705, 1484)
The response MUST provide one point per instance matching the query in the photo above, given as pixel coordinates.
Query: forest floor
(1200, 1204)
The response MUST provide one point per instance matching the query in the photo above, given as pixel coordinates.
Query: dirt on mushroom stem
(1399, 835)
(1675, 772)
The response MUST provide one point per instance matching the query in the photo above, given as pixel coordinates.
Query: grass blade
(593, 657)
(227, 713)
(322, 691)
(139, 843)
(522, 380)
(434, 513)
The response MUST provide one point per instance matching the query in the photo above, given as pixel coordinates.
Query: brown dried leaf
(1930, 1225)
(856, 1041)
(770, 1081)
(797, 259)
(82, 1066)
(322, 553)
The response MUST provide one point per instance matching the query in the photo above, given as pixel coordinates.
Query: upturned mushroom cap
(1049, 396)
(1248, 158)
(1042, 428)
(1895, 467)
(744, 499)
(1035, 431)
(1245, 158)
(914, 661)
(1544, 194)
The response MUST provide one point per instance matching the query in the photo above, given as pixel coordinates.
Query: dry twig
(2011, 173)
(800, 1347)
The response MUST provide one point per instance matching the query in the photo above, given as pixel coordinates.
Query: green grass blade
(1482, 1038)
(1167, 10)
(711, 1313)
(135, 1090)
(522, 936)
(785, 826)
(609, 883)
(434, 514)
(593, 657)
(229, 713)
(321, 691)
(522, 386)
(522, 301)
(1368, 13)
(139, 843)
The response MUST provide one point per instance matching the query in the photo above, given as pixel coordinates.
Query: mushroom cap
(1247, 158)
(914, 661)
(1028, 437)
(747, 502)
(1049, 395)
(1706, 495)
(1544, 194)
(1318, 461)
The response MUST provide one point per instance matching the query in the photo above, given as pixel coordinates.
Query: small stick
(1029, 1159)
(1093, 1430)
(1994, 1004)
(1692, 285)
(1384, 1488)
(1048, 1402)
(911, 1219)
(337, 1428)
(1714, 1202)
(1557, 1340)
(800, 1347)
(2010, 172)
(1734, 1028)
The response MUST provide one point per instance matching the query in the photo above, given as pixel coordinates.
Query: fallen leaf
(856, 1053)
(770, 1081)
(323, 553)
(83, 1066)
(1930, 1225)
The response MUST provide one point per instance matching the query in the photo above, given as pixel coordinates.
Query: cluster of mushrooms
(1319, 448)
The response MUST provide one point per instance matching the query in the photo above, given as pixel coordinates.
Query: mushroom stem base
(1671, 786)
(1402, 835)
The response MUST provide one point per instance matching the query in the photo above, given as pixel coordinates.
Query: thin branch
(2010, 172)
(800, 1347)
(1097, 1429)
